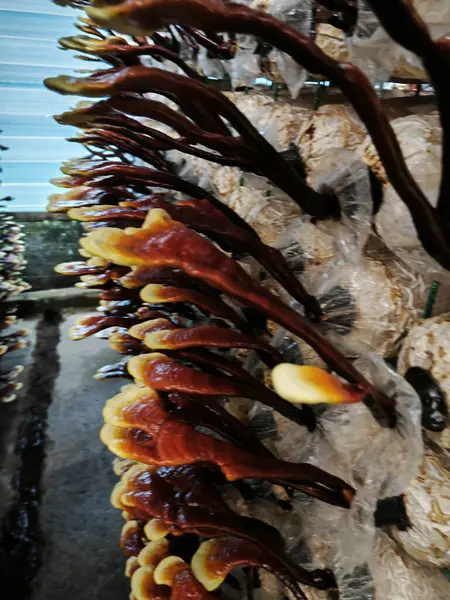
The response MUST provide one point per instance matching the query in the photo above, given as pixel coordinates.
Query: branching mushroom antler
(182, 418)
(138, 427)
(249, 146)
(165, 374)
(207, 219)
(131, 16)
(146, 492)
(205, 215)
(154, 573)
(164, 241)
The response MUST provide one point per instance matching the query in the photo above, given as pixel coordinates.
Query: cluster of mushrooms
(12, 263)
(265, 448)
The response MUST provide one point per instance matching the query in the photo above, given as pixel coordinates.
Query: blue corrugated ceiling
(29, 30)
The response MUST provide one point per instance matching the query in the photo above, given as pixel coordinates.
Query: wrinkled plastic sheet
(347, 178)
(380, 57)
(380, 463)
(427, 499)
(420, 141)
(369, 305)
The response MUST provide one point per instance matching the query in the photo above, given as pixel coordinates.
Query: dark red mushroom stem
(219, 17)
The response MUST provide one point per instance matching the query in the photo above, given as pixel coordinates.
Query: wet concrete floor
(76, 538)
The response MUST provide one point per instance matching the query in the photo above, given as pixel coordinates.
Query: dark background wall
(49, 240)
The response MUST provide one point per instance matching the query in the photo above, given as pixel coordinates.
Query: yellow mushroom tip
(136, 364)
(111, 435)
(155, 530)
(141, 330)
(114, 17)
(165, 571)
(131, 566)
(153, 293)
(116, 496)
(63, 84)
(113, 411)
(121, 466)
(199, 566)
(77, 333)
(96, 13)
(61, 268)
(155, 340)
(153, 553)
(307, 384)
(141, 582)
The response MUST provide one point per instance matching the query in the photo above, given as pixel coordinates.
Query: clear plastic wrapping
(350, 443)
(306, 245)
(347, 177)
(193, 169)
(376, 53)
(427, 500)
(380, 462)
(436, 14)
(278, 121)
(392, 575)
(332, 41)
(330, 128)
(281, 124)
(372, 50)
(244, 68)
(420, 140)
(293, 75)
(256, 107)
(398, 577)
(212, 68)
(296, 13)
(395, 226)
(428, 346)
(369, 305)
(377, 459)
(269, 213)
